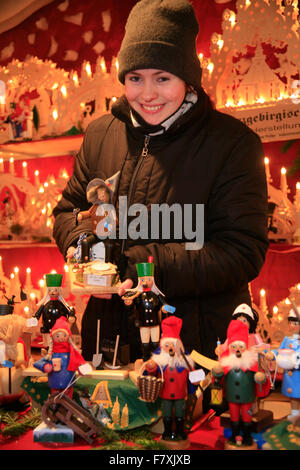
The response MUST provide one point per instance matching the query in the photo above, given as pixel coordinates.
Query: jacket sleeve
(235, 232)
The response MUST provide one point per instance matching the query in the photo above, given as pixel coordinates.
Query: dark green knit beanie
(161, 34)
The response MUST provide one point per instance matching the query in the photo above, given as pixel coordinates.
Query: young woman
(171, 147)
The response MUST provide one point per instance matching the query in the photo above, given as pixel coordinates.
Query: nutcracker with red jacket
(242, 381)
(149, 303)
(63, 359)
(177, 369)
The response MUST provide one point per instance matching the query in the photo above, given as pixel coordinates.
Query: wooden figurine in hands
(287, 357)
(103, 219)
(149, 304)
(177, 370)
(242, 381)
(63, 359)
(53, 305)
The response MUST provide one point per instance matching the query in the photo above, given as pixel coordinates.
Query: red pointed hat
(237, 331)
(171, 327)
(61, 324)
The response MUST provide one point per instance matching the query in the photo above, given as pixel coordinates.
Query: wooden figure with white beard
(179, 378)
(242, 382)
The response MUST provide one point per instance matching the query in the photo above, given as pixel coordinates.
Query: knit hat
(171, 327)
(61, 324)
(237, 331)
(161, 34)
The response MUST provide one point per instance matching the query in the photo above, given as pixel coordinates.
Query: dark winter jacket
(205, 157)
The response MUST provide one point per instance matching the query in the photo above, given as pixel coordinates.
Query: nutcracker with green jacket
(242, 380)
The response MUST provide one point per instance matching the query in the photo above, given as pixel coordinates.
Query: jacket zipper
(132, 185)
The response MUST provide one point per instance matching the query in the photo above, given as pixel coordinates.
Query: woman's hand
(121, 291)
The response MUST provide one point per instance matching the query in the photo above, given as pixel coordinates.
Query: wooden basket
(149, 386)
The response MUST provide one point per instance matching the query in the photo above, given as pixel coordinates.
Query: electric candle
(36, 178)
(1, 165)
(267, 167)
(11, 166)
(283, 181)
(25, 170)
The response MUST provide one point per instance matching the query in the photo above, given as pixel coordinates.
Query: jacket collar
(198, 112)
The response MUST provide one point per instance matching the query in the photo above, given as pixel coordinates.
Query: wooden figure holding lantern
(242, 382)
(149, 303)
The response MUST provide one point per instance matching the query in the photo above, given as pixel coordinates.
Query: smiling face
(154, 94)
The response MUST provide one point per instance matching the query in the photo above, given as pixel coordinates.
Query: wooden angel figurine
(287, 357)
(63, 359)
(13, 356)
(242, 382)
(103, 218)
(149, 304)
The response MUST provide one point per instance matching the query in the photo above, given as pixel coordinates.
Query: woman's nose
(149, 92)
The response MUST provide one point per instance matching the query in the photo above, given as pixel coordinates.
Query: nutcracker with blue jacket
(177, 369)
(62, 360)
(53, 305)
(149, 303)
(287, 357)
(242, 381)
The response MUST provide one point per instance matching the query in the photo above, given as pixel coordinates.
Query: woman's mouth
(152, 109)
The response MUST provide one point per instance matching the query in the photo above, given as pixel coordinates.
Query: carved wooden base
(176, 445)
(230, 446)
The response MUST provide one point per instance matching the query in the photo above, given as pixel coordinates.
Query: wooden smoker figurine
(149, 303)
(179, 377)
(53, 305)
(63, 359)
(97, 245)
(242, 382)
(287, 357)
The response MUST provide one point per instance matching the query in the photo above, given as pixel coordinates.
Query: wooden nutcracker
(149, 303)
(53, 306)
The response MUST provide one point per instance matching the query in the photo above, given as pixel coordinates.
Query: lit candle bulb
(28, 282)
(263, 303)
(1, 165)
(25, 170)
(12, 166)
(267, 167)
(283, 181)
(36, 178)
